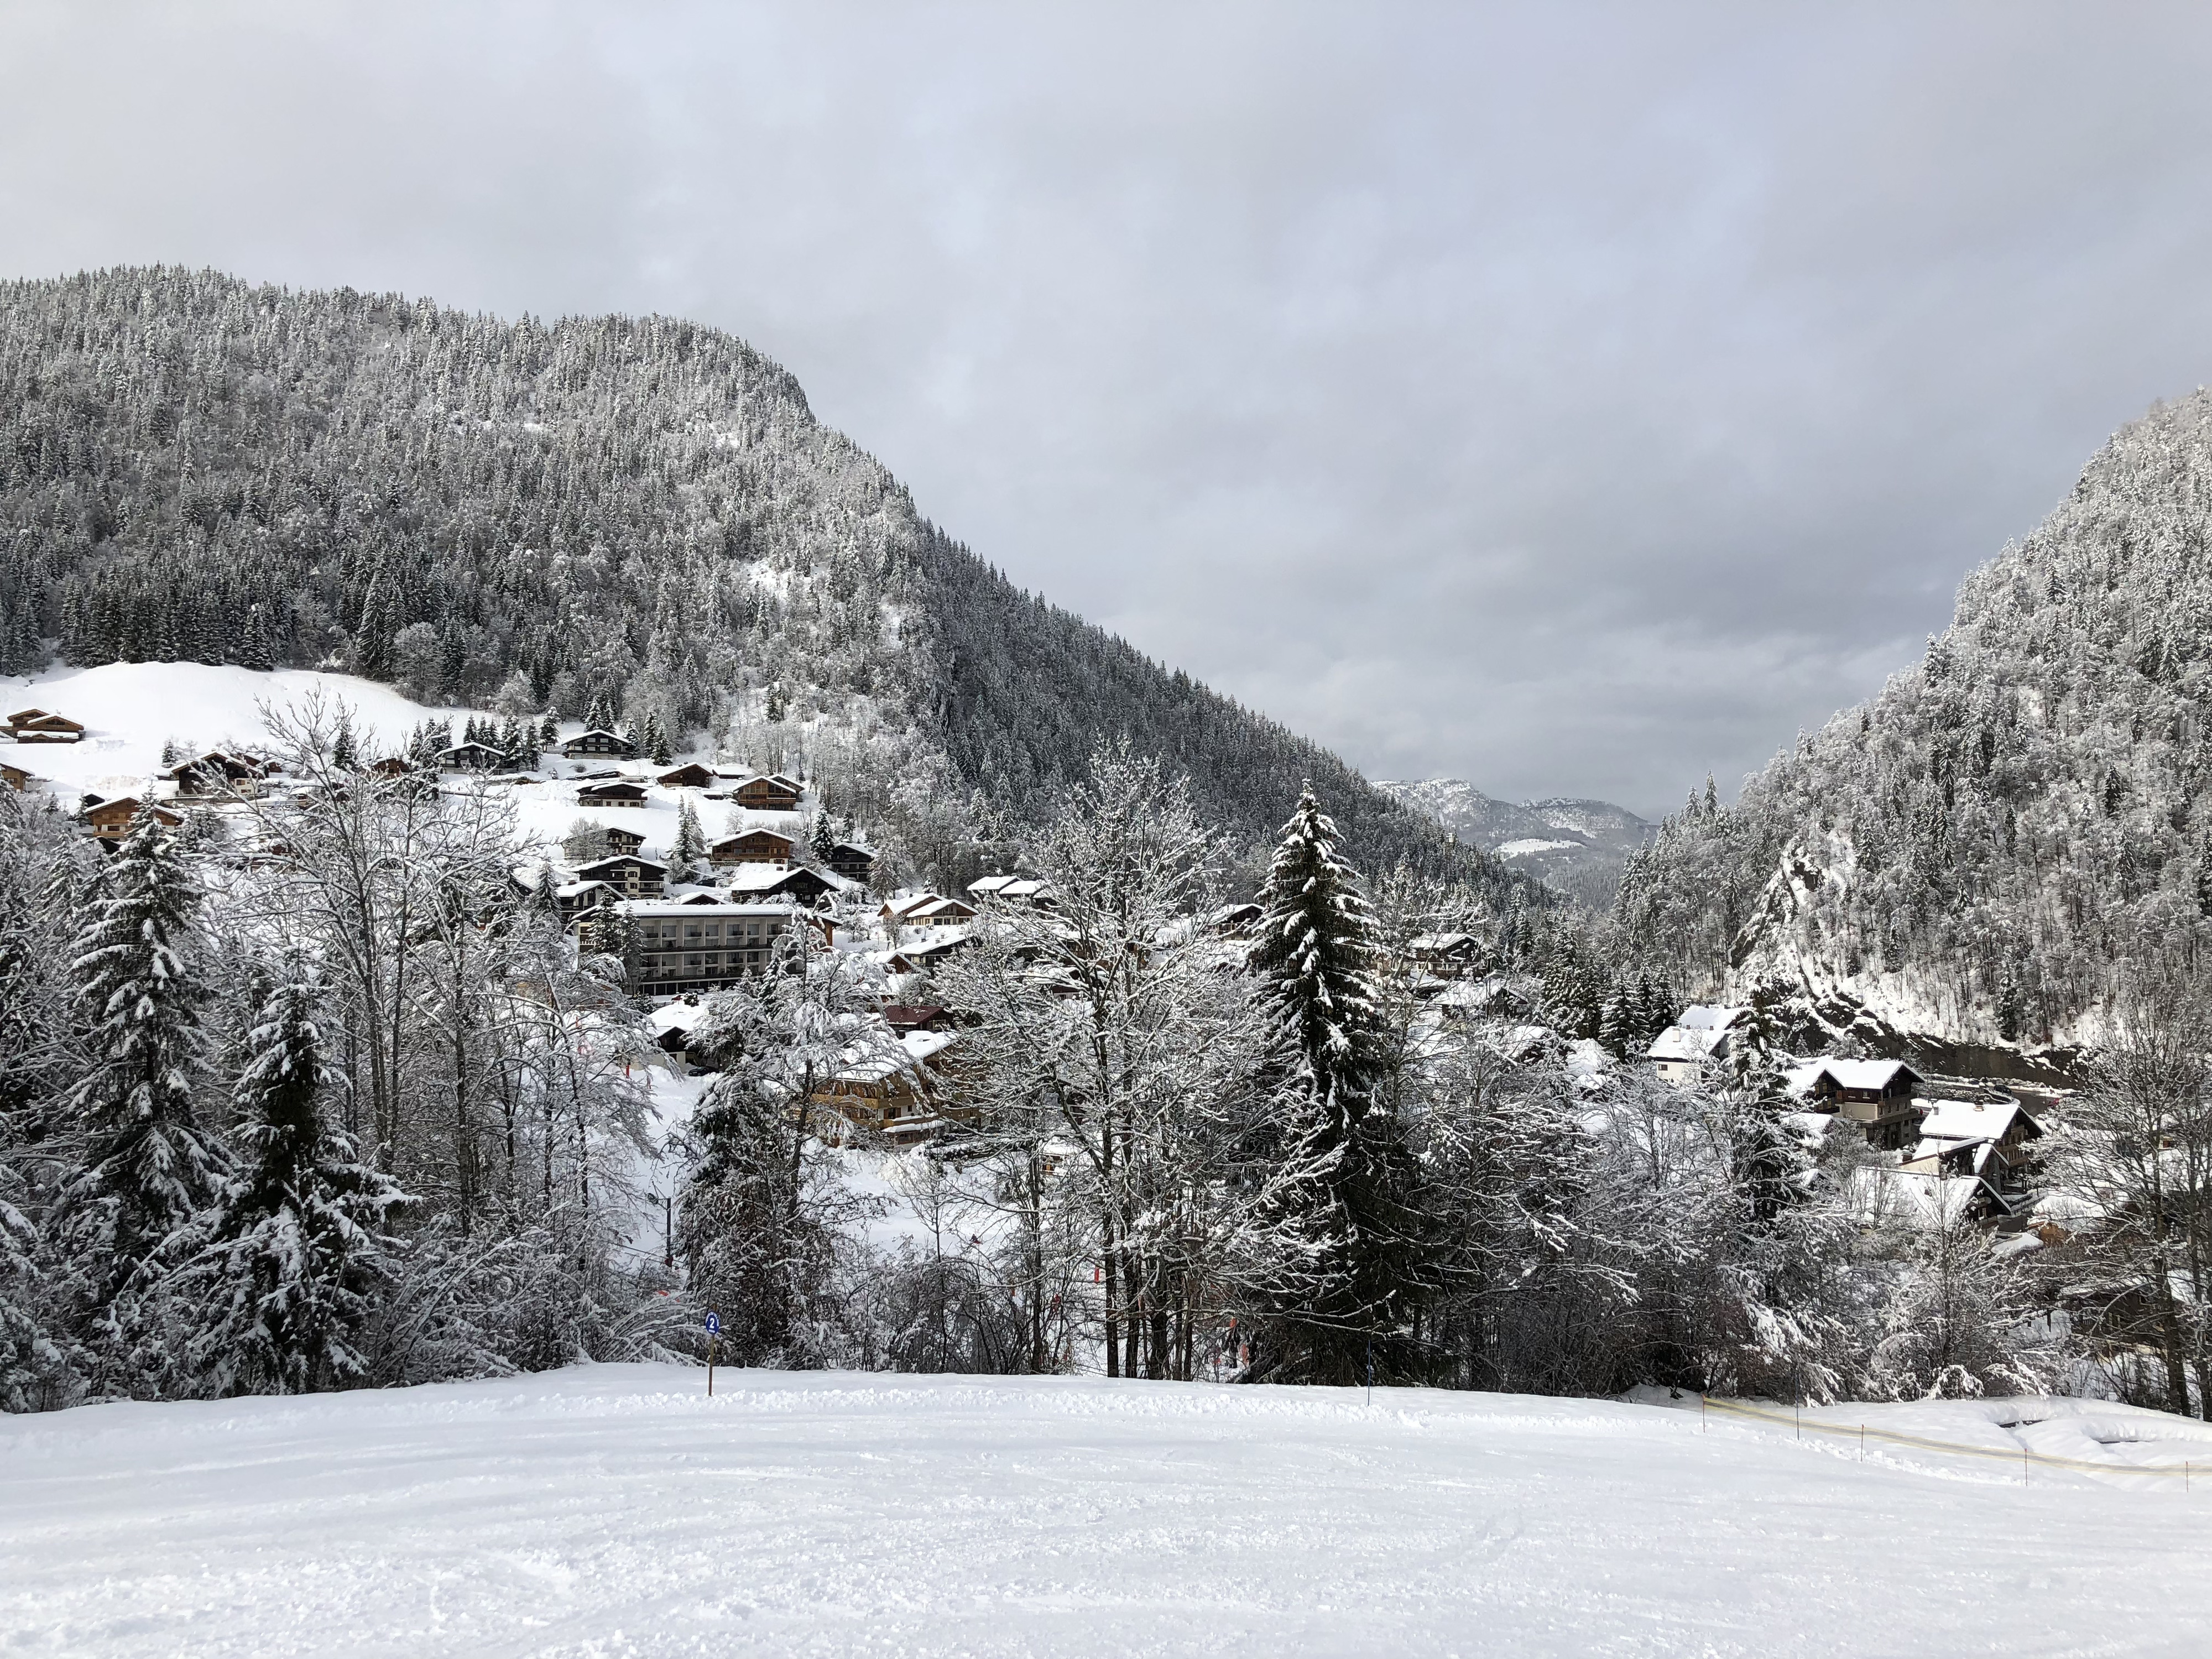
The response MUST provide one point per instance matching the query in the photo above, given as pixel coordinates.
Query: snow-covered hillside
(617, 1510)
(130, 710)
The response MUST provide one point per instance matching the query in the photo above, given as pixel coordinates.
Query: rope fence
(2024, 1458)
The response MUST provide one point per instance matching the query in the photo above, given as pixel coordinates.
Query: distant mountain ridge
(1577, 846)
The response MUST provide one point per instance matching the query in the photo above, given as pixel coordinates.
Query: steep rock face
(638, 510)
(1978, 856)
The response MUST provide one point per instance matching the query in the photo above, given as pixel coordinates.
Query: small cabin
(852, 861)
(391, 766)
(630, 876)
(618, 793)
(621, 841)
(41, 726)
(15, 777)
(598, 741)
(767, 794)
(690, 775)
(752, 847)
(112, 820)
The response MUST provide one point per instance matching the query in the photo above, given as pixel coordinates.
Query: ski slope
(615, 1510)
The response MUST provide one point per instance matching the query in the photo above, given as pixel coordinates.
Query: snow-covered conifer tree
(274, 1279)
(691, 844)
(145, 1164)
(1317, 957)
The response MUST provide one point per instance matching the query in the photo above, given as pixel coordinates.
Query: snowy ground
(614, 1510)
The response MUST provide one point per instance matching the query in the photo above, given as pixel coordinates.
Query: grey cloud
(1574, 398)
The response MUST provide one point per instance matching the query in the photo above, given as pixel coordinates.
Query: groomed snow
(615, 1510)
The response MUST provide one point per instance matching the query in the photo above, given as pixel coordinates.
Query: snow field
(615, 1510)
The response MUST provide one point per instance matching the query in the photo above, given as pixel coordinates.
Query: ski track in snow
(613, 1511)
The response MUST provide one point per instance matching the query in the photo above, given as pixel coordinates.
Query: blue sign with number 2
(713, 1324)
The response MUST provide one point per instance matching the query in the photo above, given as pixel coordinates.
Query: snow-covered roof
(989, 884)
(1973, 1120)
(679, 1015)
(619, 859)
(1680, 1042)
(689, 907)
(1876, 1074)
(1710, 1016)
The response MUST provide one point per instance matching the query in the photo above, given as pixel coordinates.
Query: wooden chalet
(895, 1091)
(938, 913)
(893, 911)
(391, 766)
(620, 791)
(1445, 956)
(1985, 1138)
(1236, 920)
(917, 1017)
(689, 775)
(217, 772)
(42, 726)
(110, 821)
(598, 741)
(14, 776)
(628, 874)
(619, 840)
(1018, 890)
(752, 847)
(1874, 1094)
(795, 882)
(852, 861)
(472, 757)
(771, 793)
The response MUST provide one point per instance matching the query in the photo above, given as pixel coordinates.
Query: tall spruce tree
(1318, 959)
(689, 846)
(145, 1166)
(275, 1279)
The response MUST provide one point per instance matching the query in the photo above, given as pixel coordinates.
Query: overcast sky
(1572, 399)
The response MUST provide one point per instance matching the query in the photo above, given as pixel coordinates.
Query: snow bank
(615, 1510)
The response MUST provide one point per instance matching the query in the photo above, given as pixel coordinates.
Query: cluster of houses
(1940, 1130)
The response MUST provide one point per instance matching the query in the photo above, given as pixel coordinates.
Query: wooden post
(713, 1345)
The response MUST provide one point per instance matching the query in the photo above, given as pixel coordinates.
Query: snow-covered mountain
(1973, 863)
(1577, 845)
(638, 513)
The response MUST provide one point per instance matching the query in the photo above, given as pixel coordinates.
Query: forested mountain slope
(1576, 846)
(193, 468)
(1977, 853)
